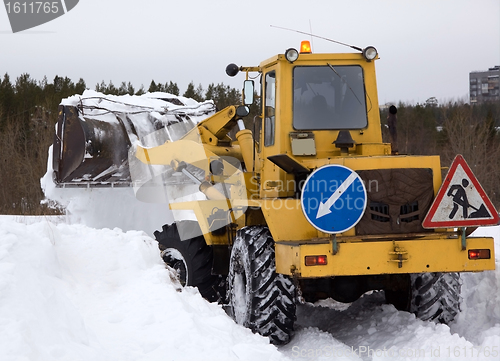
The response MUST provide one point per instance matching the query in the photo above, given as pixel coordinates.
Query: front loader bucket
(88, 151)
(94, 133)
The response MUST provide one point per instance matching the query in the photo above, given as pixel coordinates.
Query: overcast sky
(427, 47)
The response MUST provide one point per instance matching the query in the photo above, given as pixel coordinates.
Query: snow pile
(76, 293)
(157, 104)
(479, 320)
(69, 292)
(106, 207)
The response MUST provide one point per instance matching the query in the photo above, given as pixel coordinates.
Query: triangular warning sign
(461, 201)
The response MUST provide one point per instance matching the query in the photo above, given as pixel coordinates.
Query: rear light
(479, 254)
(316, 261)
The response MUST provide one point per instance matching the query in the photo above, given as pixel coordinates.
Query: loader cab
(309, 103)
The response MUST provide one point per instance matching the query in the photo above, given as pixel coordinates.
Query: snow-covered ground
(70, 292)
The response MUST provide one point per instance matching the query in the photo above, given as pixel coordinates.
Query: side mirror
(248, 89)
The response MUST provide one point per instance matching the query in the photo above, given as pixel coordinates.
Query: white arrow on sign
(324, 208)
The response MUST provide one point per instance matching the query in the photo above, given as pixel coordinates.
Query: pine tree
(101, 88)
(152, 87)
(172, 88)
(141, 90)
(28, 93)
(199, 94)
(111, 89)
(80, 86)
(122, 90)
(130, 89)
(209, 95)
(190, 92)
(6, 100)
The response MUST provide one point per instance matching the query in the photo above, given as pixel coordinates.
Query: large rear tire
(430, 296)
(260, 298)
(190, 256)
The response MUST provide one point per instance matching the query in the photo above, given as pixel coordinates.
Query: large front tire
(190, 256)
(260, 298)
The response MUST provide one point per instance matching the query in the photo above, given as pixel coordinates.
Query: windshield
(329, 97)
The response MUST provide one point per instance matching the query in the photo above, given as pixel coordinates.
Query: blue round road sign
(333, 198)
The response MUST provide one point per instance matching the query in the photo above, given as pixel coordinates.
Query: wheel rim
(175, 260)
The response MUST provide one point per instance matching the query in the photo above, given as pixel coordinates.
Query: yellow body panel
(205, 209)
(431, 253)
(298, 228)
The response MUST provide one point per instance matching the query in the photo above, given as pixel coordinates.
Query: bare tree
(476, 140)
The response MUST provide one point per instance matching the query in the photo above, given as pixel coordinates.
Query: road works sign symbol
(333, 198)
(461, 201)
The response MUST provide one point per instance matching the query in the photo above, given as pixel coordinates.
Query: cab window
(329, 97)
(269, 109)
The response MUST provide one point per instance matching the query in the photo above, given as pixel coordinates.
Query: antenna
(320, 37)
(311, 31)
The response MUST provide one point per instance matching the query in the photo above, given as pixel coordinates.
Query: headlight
(291, 55)
(370, 53)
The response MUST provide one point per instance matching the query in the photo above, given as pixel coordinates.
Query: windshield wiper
(346, 83)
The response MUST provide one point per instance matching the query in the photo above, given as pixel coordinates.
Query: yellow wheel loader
(305, 201)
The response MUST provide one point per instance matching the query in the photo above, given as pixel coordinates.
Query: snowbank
(77, 293)
(106, 207)
(70, 292)
(479, 320)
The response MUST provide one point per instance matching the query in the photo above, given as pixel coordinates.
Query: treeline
(28, 113)
(20, 98)
(222, 95)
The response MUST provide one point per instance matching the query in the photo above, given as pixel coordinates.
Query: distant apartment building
(483, 85)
